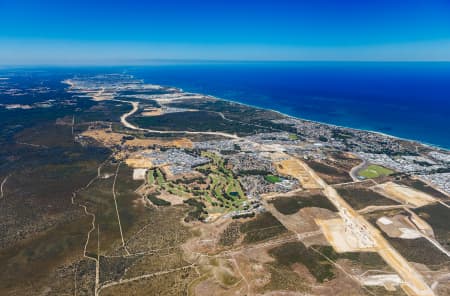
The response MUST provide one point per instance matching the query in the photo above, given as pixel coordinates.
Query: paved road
(123, 120)
(355, 169)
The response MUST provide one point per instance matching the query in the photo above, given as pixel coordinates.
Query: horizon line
(154, 62)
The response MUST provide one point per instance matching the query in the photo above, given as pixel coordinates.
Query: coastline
(295, 117)
(396, 100)
(430, 145)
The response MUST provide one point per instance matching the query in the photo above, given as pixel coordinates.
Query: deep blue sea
(408, 100)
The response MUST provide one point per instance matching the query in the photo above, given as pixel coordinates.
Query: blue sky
(99, 31)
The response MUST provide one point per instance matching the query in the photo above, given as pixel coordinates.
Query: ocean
(407, 100)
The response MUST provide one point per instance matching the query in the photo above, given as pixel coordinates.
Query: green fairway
(150, 177)
(160, 178)
(223, 193)
(374, 171)
(224, 190)
(272, 179)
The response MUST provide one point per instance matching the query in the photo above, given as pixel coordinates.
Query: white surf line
(117, 209)
(123, 120)
(3, 185)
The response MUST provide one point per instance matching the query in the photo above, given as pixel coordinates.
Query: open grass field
(272, 178)
(374, 171)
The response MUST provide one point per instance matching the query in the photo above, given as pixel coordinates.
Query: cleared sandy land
(398, 226)
(139, 162)
(386, 280)
(152, 112)
(404, 194)
(108, 138)
(104, 137)
(173, 199)
(414, 283)
(101, 96)
(294, 167)
(179, 143)
(340, 237)
(139, 174)
(304, 222)
(170, 176)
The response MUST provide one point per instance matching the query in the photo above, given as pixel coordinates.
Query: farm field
(374, 171)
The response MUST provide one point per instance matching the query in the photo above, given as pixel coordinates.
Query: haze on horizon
(138, 32)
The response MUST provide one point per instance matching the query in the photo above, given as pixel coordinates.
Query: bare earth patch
(339, 237)
(404, 194)
(294, 167)
(173, 199)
